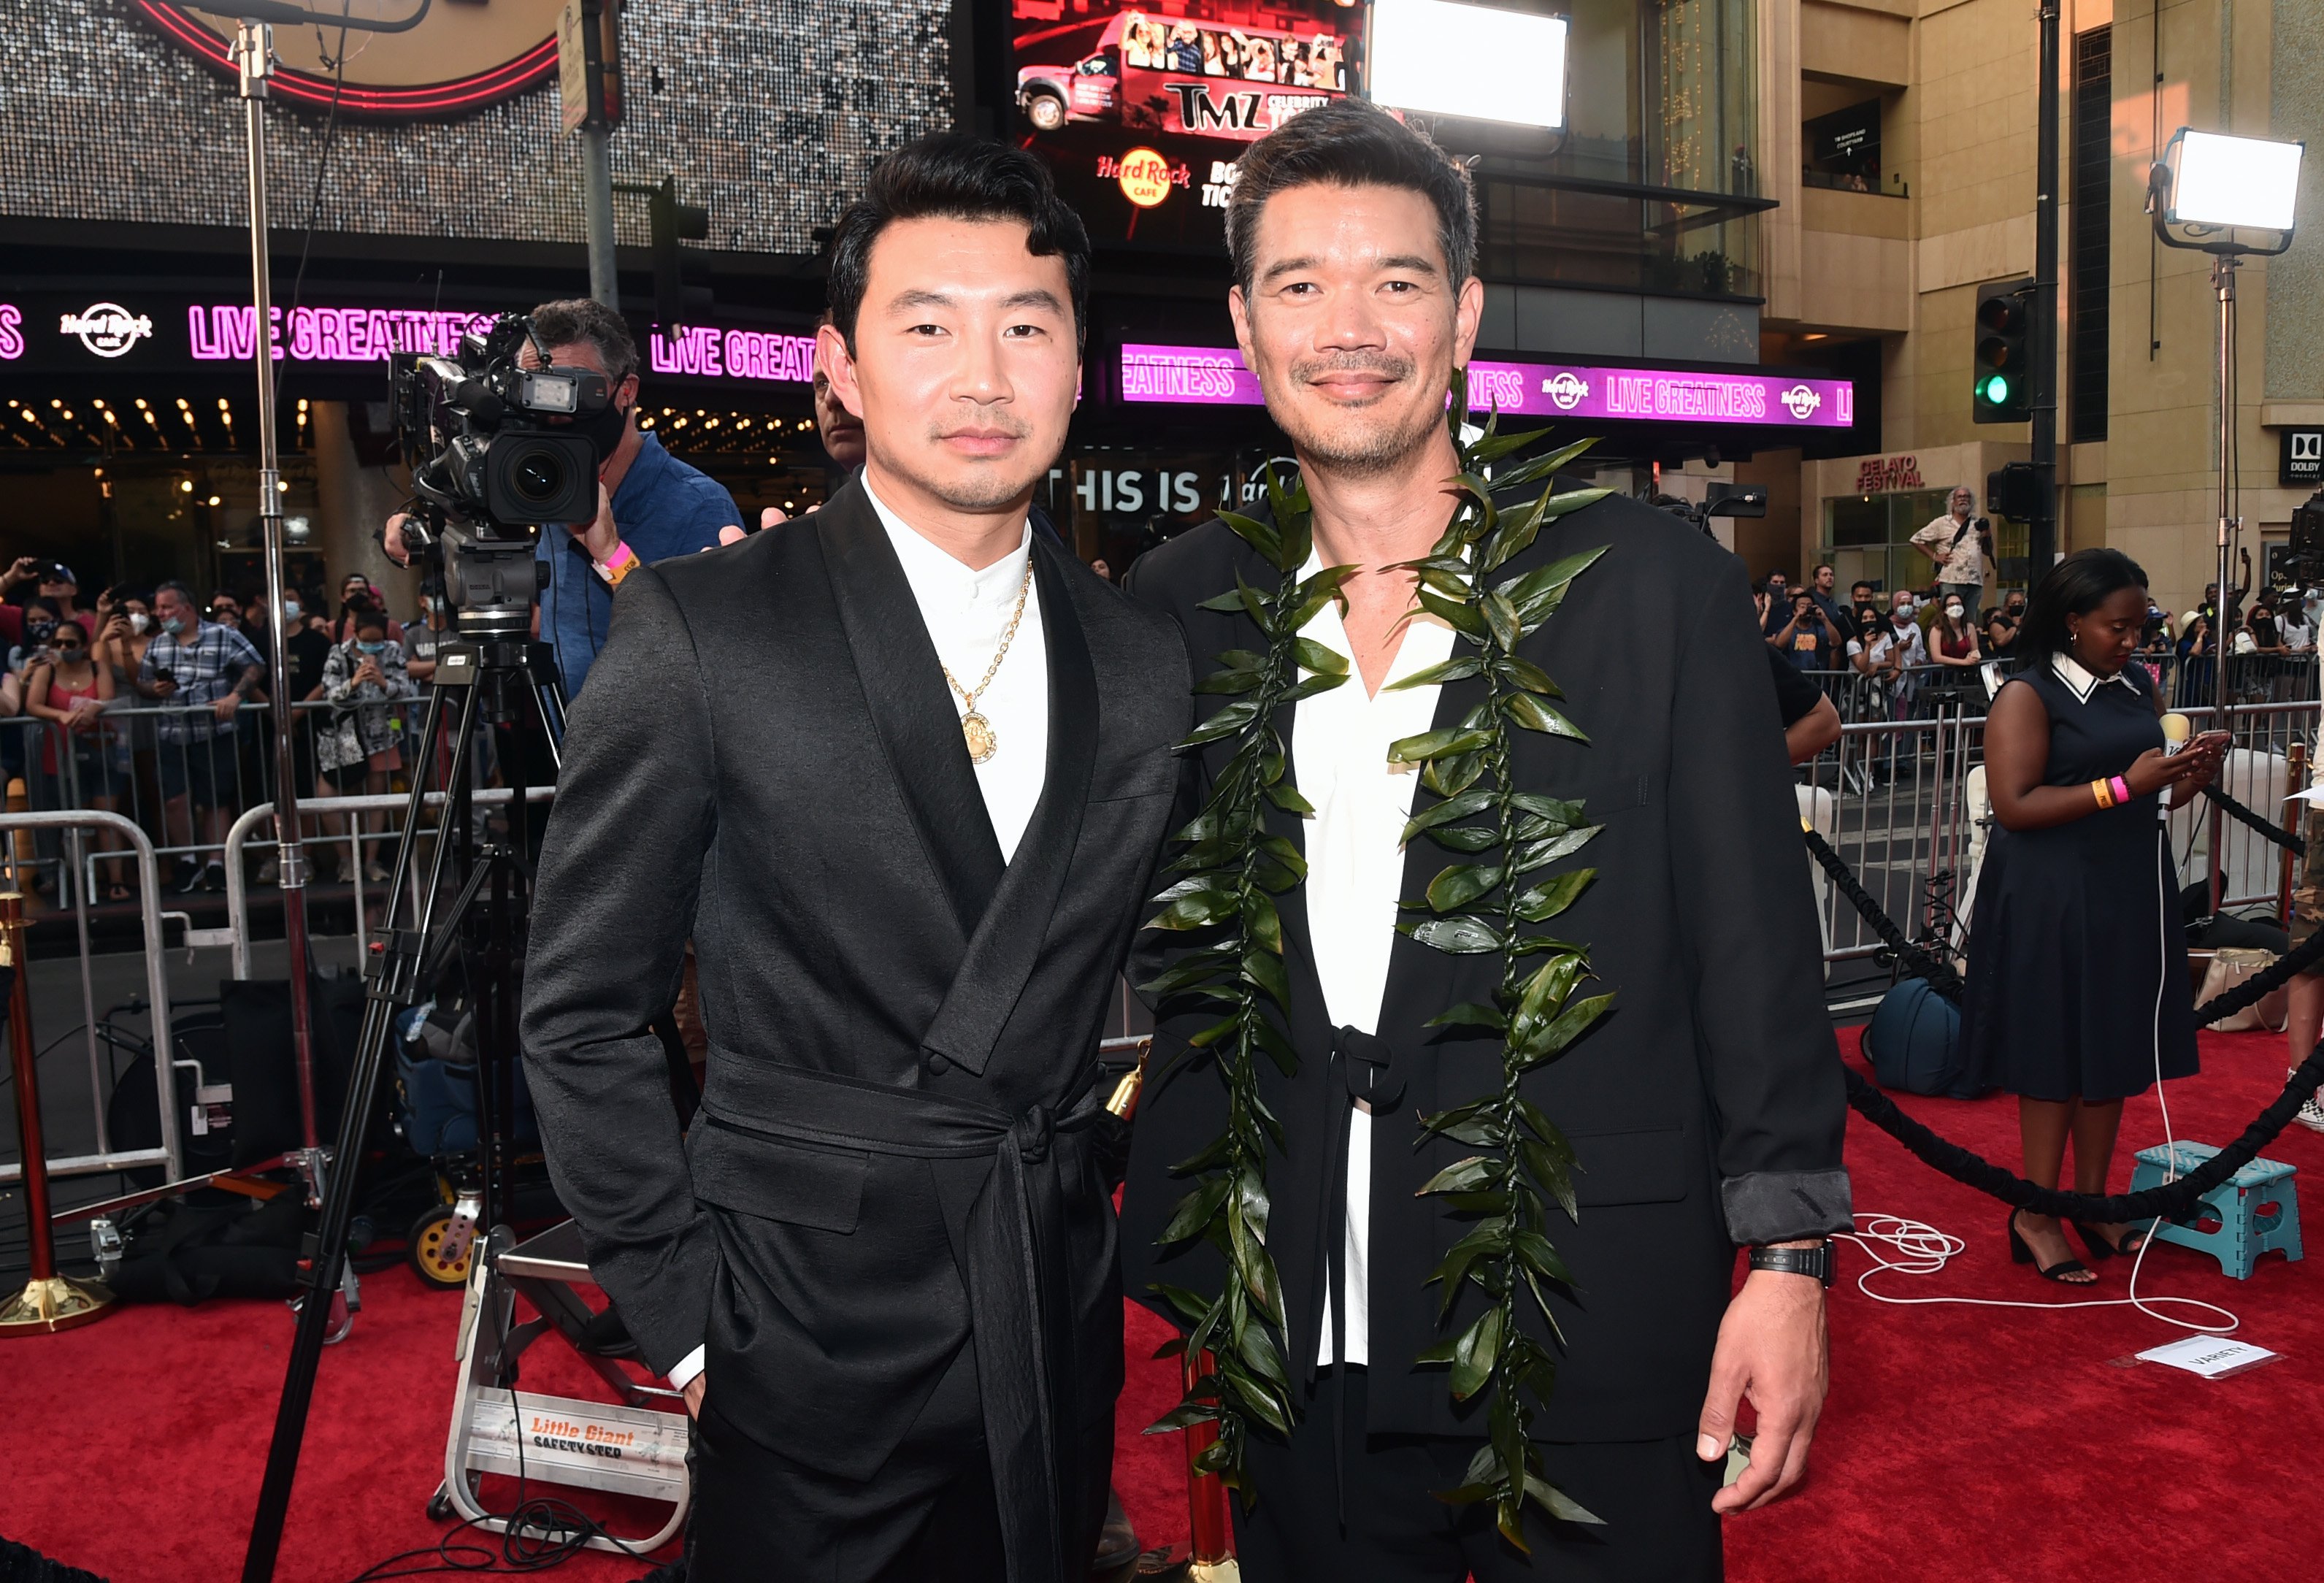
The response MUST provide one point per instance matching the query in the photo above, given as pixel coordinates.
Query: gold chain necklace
(982, 742)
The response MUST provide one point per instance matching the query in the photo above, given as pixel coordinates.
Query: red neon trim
(499, 82)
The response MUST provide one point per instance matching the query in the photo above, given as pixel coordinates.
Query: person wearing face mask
(1953, 646)
(358, 748)
(73, 694)
(650, 506)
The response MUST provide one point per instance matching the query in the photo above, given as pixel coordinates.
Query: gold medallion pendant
(975, 729)
(978, 731)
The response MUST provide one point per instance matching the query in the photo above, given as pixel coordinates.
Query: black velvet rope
(1940, 975)
(2255, 821)
(2171, 1199)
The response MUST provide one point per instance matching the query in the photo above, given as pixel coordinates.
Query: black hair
(370, 615)
(950, 176)
(1350, 143)
(2075, 586)
(572, 319)
(42, 602)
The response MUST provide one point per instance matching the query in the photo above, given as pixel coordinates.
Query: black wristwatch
(1821, 1261)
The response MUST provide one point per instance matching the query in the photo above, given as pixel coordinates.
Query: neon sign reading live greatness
(1215, 376)
(222, 333)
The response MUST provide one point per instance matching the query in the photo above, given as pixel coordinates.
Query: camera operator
(1961, 546)
(651, 505)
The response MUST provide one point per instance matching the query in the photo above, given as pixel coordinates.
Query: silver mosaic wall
(768, 111)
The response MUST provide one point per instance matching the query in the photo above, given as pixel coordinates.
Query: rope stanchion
(1940, 975)
(2170, 1200)
(2256, 822)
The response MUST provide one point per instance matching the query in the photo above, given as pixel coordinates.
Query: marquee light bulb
(185, 486)
(213, 500)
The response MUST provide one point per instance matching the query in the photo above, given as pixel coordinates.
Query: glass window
(1842, 149)
(1638, 193)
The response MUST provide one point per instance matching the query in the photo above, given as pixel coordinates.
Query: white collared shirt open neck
(1355, 877)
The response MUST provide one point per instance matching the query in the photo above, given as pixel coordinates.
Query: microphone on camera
(2176, 731)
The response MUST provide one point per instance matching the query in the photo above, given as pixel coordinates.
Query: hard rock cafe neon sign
(459, 58)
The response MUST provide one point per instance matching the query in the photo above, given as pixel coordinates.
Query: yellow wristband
(2099, 791)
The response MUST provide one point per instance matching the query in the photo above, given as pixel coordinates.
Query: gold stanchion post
(51, 1303)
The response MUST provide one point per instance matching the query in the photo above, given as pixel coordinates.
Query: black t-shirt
(308, 650)
(1795, 696)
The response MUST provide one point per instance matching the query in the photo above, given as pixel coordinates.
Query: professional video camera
(2302, 566)
(495, 451)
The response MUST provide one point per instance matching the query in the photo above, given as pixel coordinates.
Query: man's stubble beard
(985, 488)
(1364, 454)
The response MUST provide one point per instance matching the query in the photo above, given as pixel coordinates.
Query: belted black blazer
(1707, 1108)
(767, 759)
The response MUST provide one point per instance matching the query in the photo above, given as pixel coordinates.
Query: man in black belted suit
(1706, 1108)
(901, 769)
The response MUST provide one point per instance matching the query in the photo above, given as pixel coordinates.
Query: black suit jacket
(768, 760)
(1706, 1107)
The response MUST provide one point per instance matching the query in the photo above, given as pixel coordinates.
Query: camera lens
(538, 475)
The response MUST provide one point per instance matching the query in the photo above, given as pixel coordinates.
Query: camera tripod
(494, 676)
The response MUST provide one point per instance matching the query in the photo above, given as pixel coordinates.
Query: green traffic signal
(1997, 390)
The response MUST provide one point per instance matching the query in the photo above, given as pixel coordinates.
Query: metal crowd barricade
(237, 888)
(144, 757)
(157, 991)
(1912, 816)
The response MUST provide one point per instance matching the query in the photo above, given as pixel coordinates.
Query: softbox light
(2208, 183)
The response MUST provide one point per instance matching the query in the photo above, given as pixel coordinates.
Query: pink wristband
(2121, 790)
(617, 566)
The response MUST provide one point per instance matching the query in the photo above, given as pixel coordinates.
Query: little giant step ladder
(631, 1449)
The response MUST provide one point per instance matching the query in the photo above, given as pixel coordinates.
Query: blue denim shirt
(664, 508)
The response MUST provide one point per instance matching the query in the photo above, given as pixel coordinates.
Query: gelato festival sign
(1215, 376)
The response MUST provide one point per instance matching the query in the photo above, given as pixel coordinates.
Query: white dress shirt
(965, 611)
(1355, 877)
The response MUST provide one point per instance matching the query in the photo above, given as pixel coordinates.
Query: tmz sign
(1197, 108)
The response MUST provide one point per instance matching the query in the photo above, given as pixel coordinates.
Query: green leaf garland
(1484, 904)
(1231, 872)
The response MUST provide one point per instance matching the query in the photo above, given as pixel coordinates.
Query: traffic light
(674, 302)
(2003, 365)
(2019, 491)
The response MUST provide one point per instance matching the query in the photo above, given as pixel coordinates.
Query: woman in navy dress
(2077, 992)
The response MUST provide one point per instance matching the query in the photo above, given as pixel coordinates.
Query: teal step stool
(2258, 1209)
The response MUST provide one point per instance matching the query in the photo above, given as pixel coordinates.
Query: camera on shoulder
(495, 450)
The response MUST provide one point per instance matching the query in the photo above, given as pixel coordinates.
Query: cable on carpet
(2170, 1201)
(540, 1533)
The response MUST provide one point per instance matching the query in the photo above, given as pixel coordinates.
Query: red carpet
(1961, 1443)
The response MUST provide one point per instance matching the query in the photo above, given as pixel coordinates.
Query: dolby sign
(1215, 376)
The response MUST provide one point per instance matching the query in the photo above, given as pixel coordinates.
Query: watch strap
(1819, 1262)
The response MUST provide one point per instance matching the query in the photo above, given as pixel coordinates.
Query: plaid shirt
(206, 670)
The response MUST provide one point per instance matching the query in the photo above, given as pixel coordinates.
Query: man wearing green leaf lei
(1489, 1011)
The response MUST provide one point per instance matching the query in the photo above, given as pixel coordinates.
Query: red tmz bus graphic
(1236, 73)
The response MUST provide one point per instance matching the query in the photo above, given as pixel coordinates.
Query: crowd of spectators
(1897, 654)
(140, 704)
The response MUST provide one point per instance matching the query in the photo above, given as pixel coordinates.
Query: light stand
(2206, 191)
(498, 678)
(254, 57)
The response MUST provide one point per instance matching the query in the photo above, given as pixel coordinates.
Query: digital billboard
(1142, 111)
(1214, 376)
